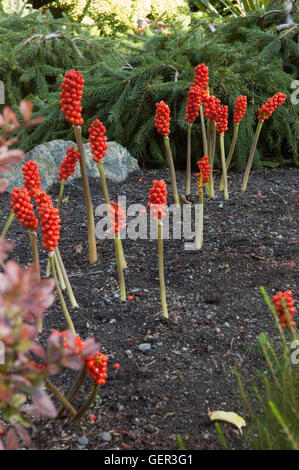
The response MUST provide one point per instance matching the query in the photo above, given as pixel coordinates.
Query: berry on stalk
(68, 165)
(158, 199)
(162, 118)
(71, 95)
(284, 306)
(23, 209)
(270, 106)
(97, 140)
(31, 176)
(240, 108)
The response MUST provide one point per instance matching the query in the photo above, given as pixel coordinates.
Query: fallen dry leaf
(229, 417)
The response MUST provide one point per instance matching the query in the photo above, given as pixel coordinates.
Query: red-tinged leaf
(26, 108)
(23, 434)
(90, 347)
(1, 445)
(3, 185)
(11, 441)
(72, 362)
(43, 402)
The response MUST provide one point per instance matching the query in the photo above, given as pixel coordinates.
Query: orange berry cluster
(68, 164)
(193, 102)
(50, 220)
(211, 108)
(201, 76)
(240, 108)
(222, 119)
(97, 368)
(97, 140)
(204, 172)
(162, 118)
(117, 217)
(71, 95)
(285, 312)
(31, 176)
(158, 199)
(23, 209)
(271, 104)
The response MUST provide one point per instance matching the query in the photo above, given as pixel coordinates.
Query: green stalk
(86, 406)
(231, 152)
(188, 170)
(107, 201)
(172, 171)
(60, 295)
(199, 235)
(161, 270)
(73, 390)
(222, 149)
(203, 131)
(59, 272)
(66, 279)
(35, 259)
(93, 256)
(121, 278)
(50, 386)
(60, 194)
(211, 161)
(8, 224)
(251, 155)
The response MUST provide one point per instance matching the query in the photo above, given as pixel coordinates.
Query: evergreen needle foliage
(125, 77)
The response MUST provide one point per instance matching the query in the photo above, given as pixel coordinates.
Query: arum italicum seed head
(158, 199)
(31, 176)
(117, 217)
(162, 118)
(201, 76)
(68, 164)
(50, 220)
(222, 119)
(23, 209)
(240, 108)
(270, 106)
(284, 306)
(211, 108)
(193, 102)
(98, 140)
(204, 172)
(71, 95)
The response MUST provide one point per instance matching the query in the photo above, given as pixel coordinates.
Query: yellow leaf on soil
(229, 417)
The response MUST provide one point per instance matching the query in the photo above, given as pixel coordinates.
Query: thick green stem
(60, 397)
(59, 272)
(172, 171)
(161, 270)
(188, 170)
(222, 149)
(86, 406)
(60, 295)
(203, 131)
(66, 279)
(35, 259)
(199, 235)
(211, 161)
(60, 194)
(73, 390)
(107, 201)
(8, 224)
(121, 278)
(251, 155)
(93, 256)
(230, 153)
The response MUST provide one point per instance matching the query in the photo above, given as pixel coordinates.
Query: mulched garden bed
(215, 307)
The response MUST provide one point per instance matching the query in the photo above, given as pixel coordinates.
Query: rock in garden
(144, 347)
(118, 163)
(105, 436)
(83, 441)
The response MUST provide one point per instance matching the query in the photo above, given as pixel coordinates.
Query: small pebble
(144, 347)
(83, 441)
(105, 436)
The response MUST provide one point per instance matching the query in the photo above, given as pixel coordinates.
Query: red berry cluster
(158, 199)
(211, 108)
(97, 140)
(285, 312)
(68, 165)
(71, 95)
(79, 343)
(201, 76)
(271, 104)
(240, 108)
(22, 207)
(117, 217)
(193, 102)
(204, 175)
(162, 118)
(31, 175)
(97, 368)
(50, 220)
(222, 119)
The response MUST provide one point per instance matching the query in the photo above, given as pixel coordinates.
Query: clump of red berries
(201, 76)
(158, 199)
(97, 368)
(31, 176)
(193, 102)
(222, 119)
(271, 104)
(240, 108)
(50, 220)
(284, 305)
(211, 108)
(23, 209)
(97, 140)
(204, 172)
(77, 347)
(68, 164)
(162, 118)
(117, 217)
(71, 95)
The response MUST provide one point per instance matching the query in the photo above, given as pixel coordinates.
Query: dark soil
(215, 306)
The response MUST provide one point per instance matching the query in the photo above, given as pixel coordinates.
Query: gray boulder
(118, 163)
